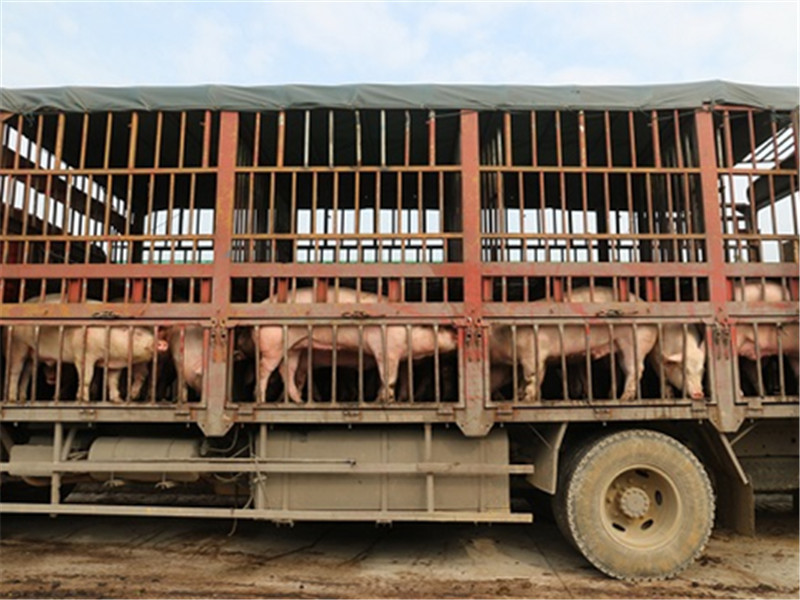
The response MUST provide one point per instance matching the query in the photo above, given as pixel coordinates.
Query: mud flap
(544, 451)
(736, 509)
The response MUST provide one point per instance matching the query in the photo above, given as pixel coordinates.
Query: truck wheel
(638, 505)
(566, 466)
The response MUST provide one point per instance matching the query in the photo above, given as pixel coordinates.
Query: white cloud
(205, 54)
(493, 42)
(353, 36)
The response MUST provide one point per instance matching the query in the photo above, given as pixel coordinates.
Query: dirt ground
(76, 557)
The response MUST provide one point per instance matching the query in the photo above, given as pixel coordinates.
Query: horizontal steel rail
(571, 411)
(282, 516)
(273, 466)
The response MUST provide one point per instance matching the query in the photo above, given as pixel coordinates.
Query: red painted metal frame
(475, 414)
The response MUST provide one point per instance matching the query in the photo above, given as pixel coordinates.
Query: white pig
(192, 354)
(387, 351)
(765, 340)
(548, 344)
(669, 353)
(85, 348)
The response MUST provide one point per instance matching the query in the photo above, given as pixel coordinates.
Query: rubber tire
(587, 482)
(570, 455)
(566, 466)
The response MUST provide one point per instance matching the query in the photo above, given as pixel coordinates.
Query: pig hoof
(113, 483)
(386, 396)
(530, 396)
(166, 485)
(628, 397)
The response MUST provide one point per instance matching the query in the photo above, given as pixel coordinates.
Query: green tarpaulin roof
(364, 96)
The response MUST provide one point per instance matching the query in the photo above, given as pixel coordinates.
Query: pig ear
(673, 358)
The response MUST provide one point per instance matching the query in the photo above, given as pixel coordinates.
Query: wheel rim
(641, 507)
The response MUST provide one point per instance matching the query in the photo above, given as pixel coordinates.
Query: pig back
(756, 292)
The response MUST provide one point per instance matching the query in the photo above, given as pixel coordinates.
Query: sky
(263, 43)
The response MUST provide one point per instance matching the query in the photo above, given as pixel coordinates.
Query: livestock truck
(404, 303)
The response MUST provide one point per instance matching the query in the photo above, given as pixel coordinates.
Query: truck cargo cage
(395, 303)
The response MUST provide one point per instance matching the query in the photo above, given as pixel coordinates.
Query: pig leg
(85, 367)
(19, 372)
(140, 372)
(289, 373)
(19, 376)
(401, 389)
(266, 366)
(269, 341)
(632, 367)
(113, 386)
(25, 380)
(388, 364)
(499, 376)
(533, 374)
(301, 374)
(387, 370)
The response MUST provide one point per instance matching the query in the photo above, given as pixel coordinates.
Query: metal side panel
(395, 492)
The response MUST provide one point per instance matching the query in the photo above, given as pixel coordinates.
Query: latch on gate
(722, 340)
(473, 341)
(105, 315)
(356, 314)
(219, 338)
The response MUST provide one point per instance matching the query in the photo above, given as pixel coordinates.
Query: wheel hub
(634, 502)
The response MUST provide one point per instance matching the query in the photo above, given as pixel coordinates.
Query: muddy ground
(112, 557)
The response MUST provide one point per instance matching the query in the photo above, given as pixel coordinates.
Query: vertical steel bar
(436, 364)
(306, 137)
(182, 141)
(515, 364)
(207, 126)
(7, 364)
(334, 364)
(182, 383)
(410, 363)
(55, 477)
(310, 365)
(429, 483)
(129, 363)
(331, 142)
(613, 367)
(431, 138)
(59, 363)
(781, 375)
(35, 366)
(360, 365)
(724, 388)
(154, 368)
(588, 363)
(285, 361)
(759, 364)
(104, 391)
(563, 355)
(589, 239)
